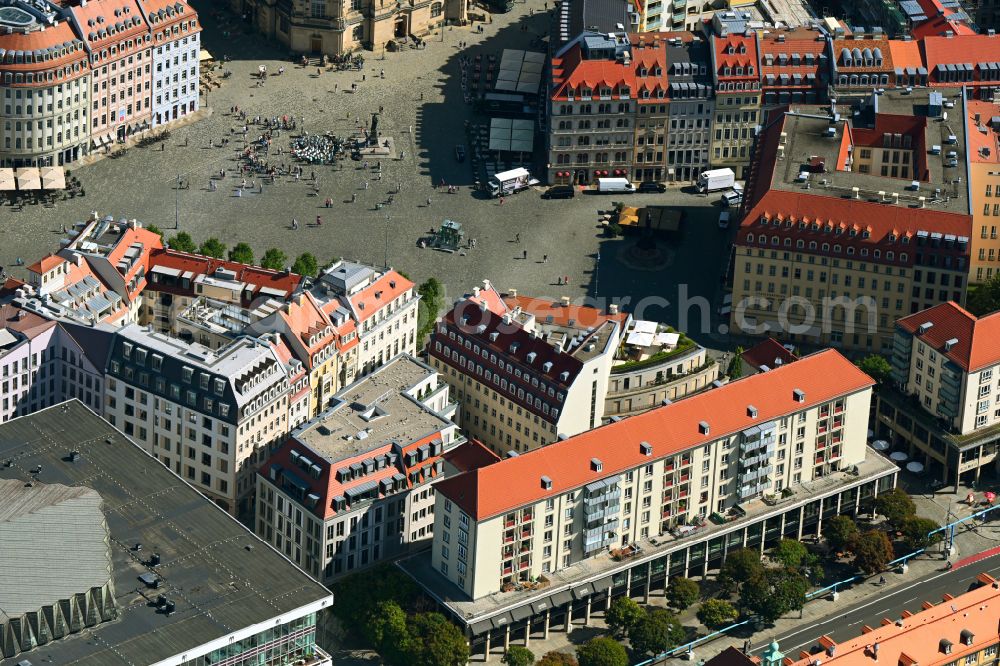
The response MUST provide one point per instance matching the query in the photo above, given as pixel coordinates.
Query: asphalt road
(846, 623)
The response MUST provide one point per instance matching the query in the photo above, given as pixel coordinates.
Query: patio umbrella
(27, 179)
(915, 467)
(880, 445)
(898, 456)
(7, 181)
(53, 178)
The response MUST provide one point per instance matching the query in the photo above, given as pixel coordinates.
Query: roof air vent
(948, 344)
(924, 327)
(546, 483)
(703, 427)
(798, 395)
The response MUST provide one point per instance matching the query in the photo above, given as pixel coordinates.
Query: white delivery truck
(715, 180)
(508, 182)
(615, 185)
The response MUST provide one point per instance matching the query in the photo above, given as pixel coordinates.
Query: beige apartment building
(983, 155)
(352, 487)
(525, 371)
(736, 74)
(944, 410)
(831, 251)
(212, 416)
(634, 480)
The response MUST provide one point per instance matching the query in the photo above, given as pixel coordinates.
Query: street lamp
(386, 257)
(177, 195)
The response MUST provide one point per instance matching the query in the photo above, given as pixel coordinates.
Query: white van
(617, 185)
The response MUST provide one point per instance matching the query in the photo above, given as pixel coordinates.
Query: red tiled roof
(202, 265)
(862, 44)
(671, 429)
(978, 339)
(906, 54)
(105, 11)
(582, 316)
(470, 455)
(748, 59)
(942, 19)
(45, 264)
(17, 319)
(917, 637)
(375, 296)
(801, 41)
(767, 352)
(970, 49)
(305, 318)
(53, 36)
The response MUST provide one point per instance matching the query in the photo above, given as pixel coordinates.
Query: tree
(771, 594)
(518, 656)
(876, 367)
(213, 247)
(242, 254)
(660, 630)
(306, 265)
(840, 531)
(896, 506)
(740, 565)
(431, 292)
(386, 631)
(915, 530)
(735, 369)
(984, 298)
(274, 259)
(872, 551)
(717, 613)
(360, 595)
(614, 230)
(155, 229)
(790, 552)
(182, 242)
(434, 641)
(601, 652)
(557, 659)
(623, 614)
(682, 592)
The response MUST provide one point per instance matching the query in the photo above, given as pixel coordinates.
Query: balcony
(523, 565)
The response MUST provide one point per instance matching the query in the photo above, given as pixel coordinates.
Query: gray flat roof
(221, 577)
(602, 566)
(376, 406)
(806, 126)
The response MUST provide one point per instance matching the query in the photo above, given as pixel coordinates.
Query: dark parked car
(560, 192)
(460, 153)
(650, 186)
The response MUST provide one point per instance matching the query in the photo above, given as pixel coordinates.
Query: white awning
(644, 326)
(640, 339)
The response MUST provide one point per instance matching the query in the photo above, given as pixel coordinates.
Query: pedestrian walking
(366, 184)
(295, 223)
(382, 73)
(517, 238)
(565, 279)
(524, 254)
(501, 200)
(319, 221)
(428, 201)
(354, 197)
(545, 258)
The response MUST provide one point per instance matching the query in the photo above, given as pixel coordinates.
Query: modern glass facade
(277, 646)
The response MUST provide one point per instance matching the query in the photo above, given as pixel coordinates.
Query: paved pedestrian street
(425, 114)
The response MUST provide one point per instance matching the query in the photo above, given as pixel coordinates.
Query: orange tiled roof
(850, 44)
(582, 316)
(970, 49)
(983, 147)
(202, 265)
(918, 638)
(305, 318)
(45, 264)
(906, 54)
(375, 296)
(671, 429)
(977, 339)
(53, 36)
(800, 41)
(721, 46)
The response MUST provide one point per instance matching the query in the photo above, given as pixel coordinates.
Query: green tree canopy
(840, 532)
(740, 565)
(155, 229)
(682, 592)
(431, 294)
(770, 594)
(660, 630)
(896, 506)
(213, 247)
(872, 551)
(735, 369)
(182, 242)
(985, 298)
(242, 253)
(305, 264)
(601, 652)
(623, 614)
(362, 592)
(915, 530)
(274, 259)
(518, 656)
(385, 630)
(434, 641)
(876, 367)
(557, 659)
(717, 613)
(790, 552)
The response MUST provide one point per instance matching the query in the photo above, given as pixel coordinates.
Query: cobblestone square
(425, 113)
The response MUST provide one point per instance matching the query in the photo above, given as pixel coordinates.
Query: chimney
(613, 309)
(475, 292)
(565, 301)
(512, 293)
(487, 285)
